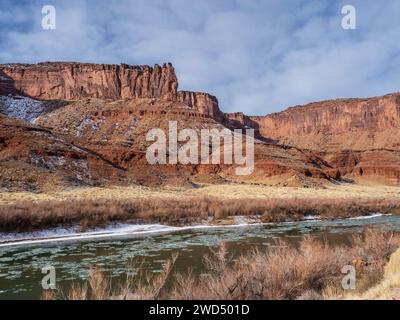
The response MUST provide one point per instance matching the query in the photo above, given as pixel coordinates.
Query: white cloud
(256, 56)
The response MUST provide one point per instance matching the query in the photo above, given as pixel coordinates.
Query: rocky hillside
(33, 158)
(106, 111)
(358, 138)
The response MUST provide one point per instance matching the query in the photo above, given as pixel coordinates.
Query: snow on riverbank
(367, 217)
(71, 234)
(116, 230)
(124, 230)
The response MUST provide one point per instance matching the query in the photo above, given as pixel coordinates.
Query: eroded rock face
(358, 138)
(72, 81)
(202, 102)
(117, 130)
(353, 138)
(33, 158)
(335, 117)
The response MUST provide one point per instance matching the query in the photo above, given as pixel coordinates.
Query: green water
(20, 266)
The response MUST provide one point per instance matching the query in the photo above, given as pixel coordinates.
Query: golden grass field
(224, 192)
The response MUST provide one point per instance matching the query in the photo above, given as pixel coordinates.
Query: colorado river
(21, 264)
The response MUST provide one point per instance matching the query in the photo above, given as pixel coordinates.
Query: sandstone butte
(72, 81)
(87, 124)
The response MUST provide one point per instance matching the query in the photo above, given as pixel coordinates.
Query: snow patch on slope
(20, 107)
(78, 167)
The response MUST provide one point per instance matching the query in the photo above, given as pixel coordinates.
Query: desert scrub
(28, 215)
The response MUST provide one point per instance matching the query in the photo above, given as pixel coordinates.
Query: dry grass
(27, 215)
(311, 271)
(223, 191)
(139, 285)
(292, 273)
(91, 207)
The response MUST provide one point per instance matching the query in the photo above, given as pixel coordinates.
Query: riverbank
(212, 204)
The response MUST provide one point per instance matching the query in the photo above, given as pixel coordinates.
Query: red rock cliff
(335, 116)
(71, 81)
(357, 138)
(343, 124)
(202, 102)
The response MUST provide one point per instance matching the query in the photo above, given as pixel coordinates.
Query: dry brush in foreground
(310, 271)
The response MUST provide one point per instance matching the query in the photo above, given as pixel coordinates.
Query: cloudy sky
(256, 56)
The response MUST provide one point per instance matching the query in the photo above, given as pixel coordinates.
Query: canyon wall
(342, 124)
(201, 102)
(74, 81)
(334, 116)
(354, 124)
(346, 138)
(356, 138)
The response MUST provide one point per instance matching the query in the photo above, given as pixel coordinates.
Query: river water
(21, 263)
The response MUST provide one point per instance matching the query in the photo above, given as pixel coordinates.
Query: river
(21, 262)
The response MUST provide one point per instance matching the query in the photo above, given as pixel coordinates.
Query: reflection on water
(20, 267)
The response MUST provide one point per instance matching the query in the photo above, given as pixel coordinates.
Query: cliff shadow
(249, 124)
(6, 84)
(256, 126)
(8, 88)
